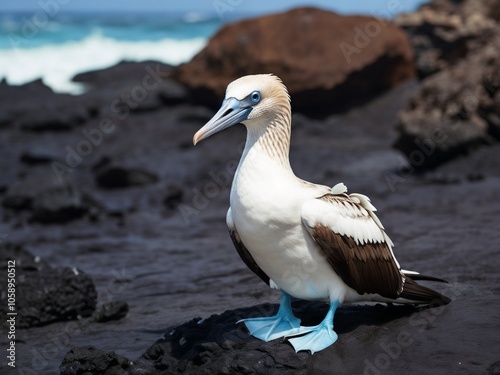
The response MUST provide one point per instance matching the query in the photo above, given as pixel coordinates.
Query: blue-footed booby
(310, 241)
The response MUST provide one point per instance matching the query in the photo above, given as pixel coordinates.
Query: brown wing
(354, 242)
(246, 256)
(367, 268)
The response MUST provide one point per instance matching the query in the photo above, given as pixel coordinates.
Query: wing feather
(346, 228)
(243, 251)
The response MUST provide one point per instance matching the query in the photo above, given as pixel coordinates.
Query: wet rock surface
(218, 345)
(163, 247)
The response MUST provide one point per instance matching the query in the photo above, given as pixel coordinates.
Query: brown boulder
(329, 62)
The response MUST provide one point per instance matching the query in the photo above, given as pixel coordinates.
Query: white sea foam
(57, 64)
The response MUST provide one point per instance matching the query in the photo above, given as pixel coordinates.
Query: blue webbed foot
(320, 336)
(284, 323)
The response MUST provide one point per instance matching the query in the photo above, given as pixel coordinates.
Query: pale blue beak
(232, 111)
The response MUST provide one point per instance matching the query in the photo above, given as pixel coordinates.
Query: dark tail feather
(422, 294)
(425, 277)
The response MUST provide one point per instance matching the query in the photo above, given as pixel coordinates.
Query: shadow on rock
(218, 344)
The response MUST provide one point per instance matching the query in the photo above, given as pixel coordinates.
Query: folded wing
(355, 244)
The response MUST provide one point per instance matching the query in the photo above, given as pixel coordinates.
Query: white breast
(266, 203)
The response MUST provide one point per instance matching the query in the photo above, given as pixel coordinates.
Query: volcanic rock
(61, 203)
(442, 32)
(5, 118)
(134, 87)
(455, 110)
(114, 310)
(39, 155)
(171, 92)
(50, 200)
(328, 62)
(43, 294)
(173, 196)
(218, 345)
(21, 194)
(112, 176)
(89, 360)
(54, 118)
(125, 71)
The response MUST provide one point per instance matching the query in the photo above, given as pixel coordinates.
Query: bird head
(253, 100)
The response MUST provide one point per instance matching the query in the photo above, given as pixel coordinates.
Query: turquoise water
(34, 46)
(27, 30)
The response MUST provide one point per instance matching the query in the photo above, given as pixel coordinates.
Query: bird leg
(320, 336)
(284, 323)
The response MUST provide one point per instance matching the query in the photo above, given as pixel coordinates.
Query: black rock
(17, 93)
(43, 294)
(173, 196)
(20, 196)
(24, 260)
(196, 115)
(114, 310)
(5, 118)
(17, 201)
(138, 86)
(119, 176)
(102, 162)
(121, 73)
(61, 203)
(50, 200)
(171, 92)
(218, 345)
(88, 360)
(38, 156)
(53, 118)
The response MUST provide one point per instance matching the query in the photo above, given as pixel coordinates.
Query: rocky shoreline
(117, 223)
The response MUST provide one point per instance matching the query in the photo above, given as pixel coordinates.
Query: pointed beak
(232, 111)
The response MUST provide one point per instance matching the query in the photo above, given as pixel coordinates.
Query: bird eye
(255, 97)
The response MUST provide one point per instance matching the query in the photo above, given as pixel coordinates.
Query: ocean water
(57, 48)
